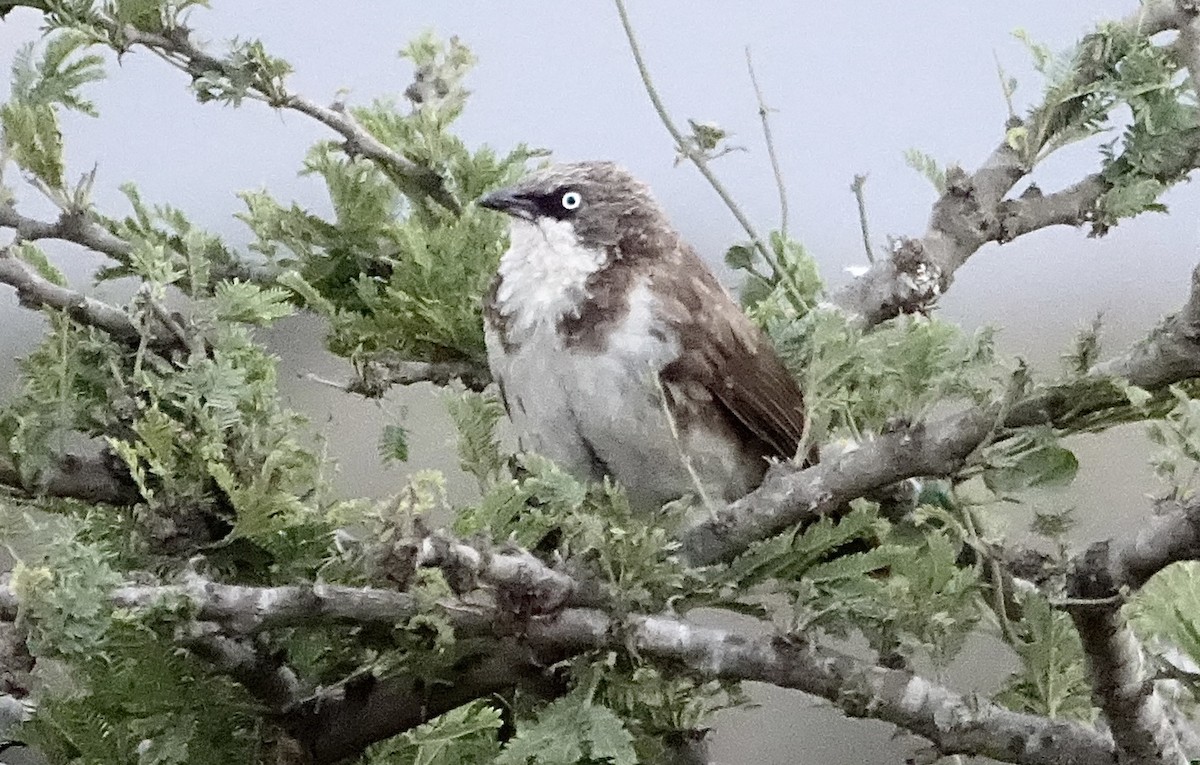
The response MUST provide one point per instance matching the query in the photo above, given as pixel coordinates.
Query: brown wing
(725, 354)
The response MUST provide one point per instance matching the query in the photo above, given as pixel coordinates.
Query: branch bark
(973, 211)
(97, 479)
(70, 227)
(1121, 685)
(340, 722)
(80, 227)
(36, 291)
(953, 723)
(377, 375)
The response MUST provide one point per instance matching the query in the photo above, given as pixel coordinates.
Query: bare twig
(686, 149)
(858, 187)
(768, 138)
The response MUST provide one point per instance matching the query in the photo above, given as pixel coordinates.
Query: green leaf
(927, 166)
(463, 735)
(393, 444)
(33, 255)
(740, 257)
(249, 303)
(1046, 464)
(1167, 609)
(568, 731)
(1053, 679)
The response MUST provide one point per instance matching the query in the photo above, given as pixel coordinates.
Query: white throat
(543, 274)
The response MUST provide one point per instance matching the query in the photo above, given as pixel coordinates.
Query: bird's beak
(511, 201)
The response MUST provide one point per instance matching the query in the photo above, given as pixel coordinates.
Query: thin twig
(313, 377)
(697, 159)
(860, 182)
(763, 114)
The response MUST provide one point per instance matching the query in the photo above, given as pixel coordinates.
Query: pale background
(855, 84)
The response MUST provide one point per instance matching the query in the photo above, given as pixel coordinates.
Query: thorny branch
(974, 209)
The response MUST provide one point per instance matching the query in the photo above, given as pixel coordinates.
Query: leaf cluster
(41, 87)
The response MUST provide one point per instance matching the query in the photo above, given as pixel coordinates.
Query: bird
(616, 351)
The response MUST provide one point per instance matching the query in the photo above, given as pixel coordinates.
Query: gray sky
(855, 85)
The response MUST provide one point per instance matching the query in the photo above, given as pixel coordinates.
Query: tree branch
(74, 227)
(788, 497)
(261, 673)
(1121, 685)
(339, 722)
(953, 723)
(36, 291)
(98, 479)
(973, 211)
(80, 227)
(245, 610)
(379, 374)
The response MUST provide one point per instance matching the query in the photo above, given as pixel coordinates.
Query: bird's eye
(571, 200)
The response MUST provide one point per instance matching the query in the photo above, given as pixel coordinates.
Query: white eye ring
(571, 200)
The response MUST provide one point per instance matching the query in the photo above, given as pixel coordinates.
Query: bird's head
(599, 201)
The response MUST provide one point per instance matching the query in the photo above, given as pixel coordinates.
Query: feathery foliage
(229, 483)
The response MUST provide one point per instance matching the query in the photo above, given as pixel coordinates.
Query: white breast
(543, 274)
(594, 412)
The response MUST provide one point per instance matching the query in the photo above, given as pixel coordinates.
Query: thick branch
(952, 722)
(1122, 688)
(524, 580)
(1121, 685)
(973, 211)
(1170, 353)
(81, 228)
(260, 672)
(70, 227)
(366, 709)
(98, 479)
(788, 497)
(376, 376)
(33, 290)
(339, 722)
(36, 291)
(244, 610)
